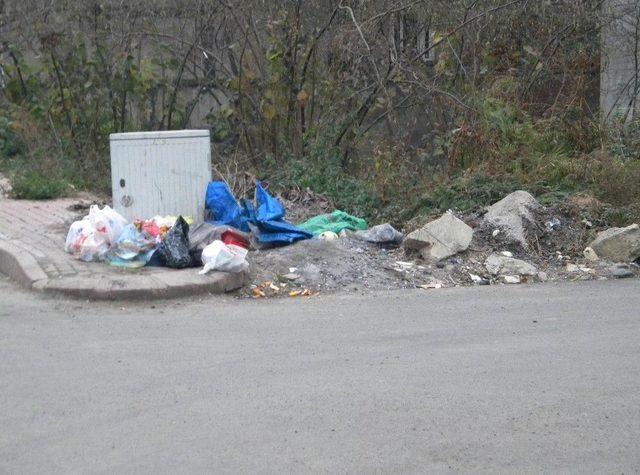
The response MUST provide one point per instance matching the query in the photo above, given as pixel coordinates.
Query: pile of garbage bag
(105, 236)
(220, 243)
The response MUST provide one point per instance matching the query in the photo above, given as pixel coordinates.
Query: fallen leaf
(258, 293)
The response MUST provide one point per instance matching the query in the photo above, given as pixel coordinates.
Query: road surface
(542, 378)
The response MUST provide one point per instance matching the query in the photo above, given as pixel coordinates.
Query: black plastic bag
(174, 250)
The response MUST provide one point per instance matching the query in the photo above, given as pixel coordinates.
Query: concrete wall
(620, 73)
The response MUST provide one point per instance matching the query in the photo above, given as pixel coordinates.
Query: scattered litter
(258, 293)
(336, 222)
(553, 224)
(380, 234)
(431, 285)
(511, 279)
(495, 232)
(328, 236)
(507, 253)
(274, 287)
(224, 257)
(479, 280)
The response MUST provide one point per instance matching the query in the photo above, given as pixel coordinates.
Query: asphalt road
(541, 378)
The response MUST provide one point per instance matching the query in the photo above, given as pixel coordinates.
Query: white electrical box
(160, 173)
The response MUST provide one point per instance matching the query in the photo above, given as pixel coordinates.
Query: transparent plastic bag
(85, 244)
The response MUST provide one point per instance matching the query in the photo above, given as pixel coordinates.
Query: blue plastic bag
(224, 207)
(265, 220)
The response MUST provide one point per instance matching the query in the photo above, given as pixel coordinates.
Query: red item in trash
(151, 228)
(235, 239)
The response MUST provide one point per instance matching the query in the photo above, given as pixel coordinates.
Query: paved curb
(24, 269)
(20, 265)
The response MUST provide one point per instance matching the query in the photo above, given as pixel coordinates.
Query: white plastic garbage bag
(90, 238)
(107, 222)
(85, 243)
(224, 257)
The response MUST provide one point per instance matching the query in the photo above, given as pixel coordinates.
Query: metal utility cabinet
(160, 173)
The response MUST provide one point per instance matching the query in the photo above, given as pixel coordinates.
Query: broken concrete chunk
(512, 213)
(618, 244)
(590, 254)
(497, 264)
(441, 238)
(380, 234)
(621, 271)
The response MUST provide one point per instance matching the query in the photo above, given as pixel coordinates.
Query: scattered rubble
(442, 238)
(622, 271)
(555, 250)
(618, 244)
(513, 214)
(499, 264)
(590, 254)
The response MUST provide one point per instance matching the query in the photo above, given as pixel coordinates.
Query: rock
(590, 254)
(380, 234)
(497, 264)
(621, 271)
(441, 238)
(511, 279)
(512, 213)
(618, 244)
(432, 284)
(571, 268)
(543, 276)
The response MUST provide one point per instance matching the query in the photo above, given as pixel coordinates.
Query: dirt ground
(556, 242)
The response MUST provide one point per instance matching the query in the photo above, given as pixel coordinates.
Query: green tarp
(336, 222)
